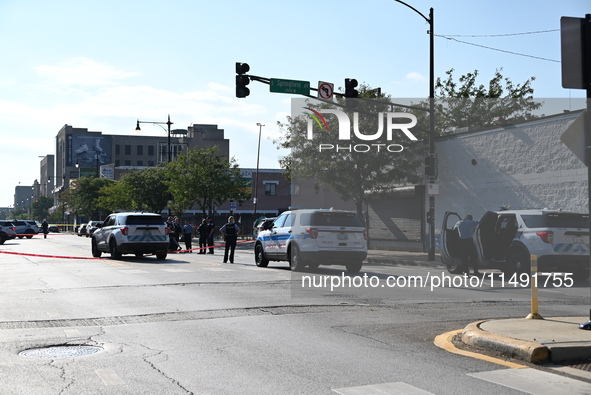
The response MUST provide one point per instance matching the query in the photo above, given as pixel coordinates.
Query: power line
(500, 35)
(497, 49)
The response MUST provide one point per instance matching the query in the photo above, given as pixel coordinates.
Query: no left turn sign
(325, 90)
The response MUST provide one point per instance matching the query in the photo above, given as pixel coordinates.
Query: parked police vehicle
(25, 228)
(131, 233)
(311, 237)
(506, 239)
(7, 231)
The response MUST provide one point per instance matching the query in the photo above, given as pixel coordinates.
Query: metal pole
(256, 183)
(169, 147)
(431, 256)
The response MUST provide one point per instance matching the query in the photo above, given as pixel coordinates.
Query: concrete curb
(527, 351)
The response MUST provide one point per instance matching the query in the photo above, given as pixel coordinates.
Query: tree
(84, 199)
(355, 166)
(144, 190)
(204, 177)
(465, 104)
(41, 207)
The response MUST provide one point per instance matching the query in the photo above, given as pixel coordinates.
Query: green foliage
(204, 177)
(144, 190)
(85, 198)
(465, 104)
(40, 208)
(351, 174)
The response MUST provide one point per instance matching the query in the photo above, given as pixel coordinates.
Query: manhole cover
(60, 352)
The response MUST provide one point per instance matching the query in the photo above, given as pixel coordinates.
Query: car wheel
(295, 259)
(161, 257)
(354, 267)
(139, 254)
(517, 262)
(259, 256)
(115, 254)
(20, 237)
(313, 265)
(95, 251)
(3, 238)
(29, 234)
(456, 267)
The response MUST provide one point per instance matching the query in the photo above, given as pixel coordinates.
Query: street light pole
(431, 214)
(168, 123)
(256, 183)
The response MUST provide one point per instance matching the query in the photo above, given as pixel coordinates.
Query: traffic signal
(242, 80)
(350, 85)
(431, 166)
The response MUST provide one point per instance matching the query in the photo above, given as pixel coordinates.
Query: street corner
(474, 336)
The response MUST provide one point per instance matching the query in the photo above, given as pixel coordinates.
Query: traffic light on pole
(242, 80)
(431, 166)
(350, 85)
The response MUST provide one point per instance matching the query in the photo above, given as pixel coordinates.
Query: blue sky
(102, 65)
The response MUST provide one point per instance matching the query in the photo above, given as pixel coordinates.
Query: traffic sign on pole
(289, 86)
(325, 90)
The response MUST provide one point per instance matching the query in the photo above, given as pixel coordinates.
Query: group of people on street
(206, 231)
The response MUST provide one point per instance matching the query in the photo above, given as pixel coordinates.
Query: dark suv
(131, 233)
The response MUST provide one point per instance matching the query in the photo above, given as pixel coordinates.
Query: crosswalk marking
(109, 377)
(398, 388)
(534, 381)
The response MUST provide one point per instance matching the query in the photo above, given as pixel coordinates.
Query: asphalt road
(193, 325)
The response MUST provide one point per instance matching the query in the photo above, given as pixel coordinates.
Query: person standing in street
(466, 229)
(203, 231)
(188, 235)
(230, 232)
(45, 227)
(210, 231)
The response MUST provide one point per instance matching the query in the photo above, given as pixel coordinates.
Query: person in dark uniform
(210, 229)
(45, 227)
(203, 231)
(230, 232)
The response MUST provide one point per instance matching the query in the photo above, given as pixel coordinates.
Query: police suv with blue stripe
(311, 237)
(131, 233)
(506, 240)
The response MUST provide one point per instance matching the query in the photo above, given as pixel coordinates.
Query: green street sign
(289, 86)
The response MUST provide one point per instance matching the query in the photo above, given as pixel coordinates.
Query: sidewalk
(402, 258)
(552, 339)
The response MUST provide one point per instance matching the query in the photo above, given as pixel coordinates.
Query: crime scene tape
(86, 257)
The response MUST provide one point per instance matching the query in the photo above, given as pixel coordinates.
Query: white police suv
(506, 239)
(311, 237)
(131, 233)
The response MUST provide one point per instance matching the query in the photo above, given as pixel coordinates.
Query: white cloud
(414, 76)
(81, 71)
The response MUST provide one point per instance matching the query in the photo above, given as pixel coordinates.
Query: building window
(294, 189)
(151, 150)
(127, 163)
(117, 163)
(117, 149)
(140, 162)
(127, 149)
(140, 149)
(271, 188)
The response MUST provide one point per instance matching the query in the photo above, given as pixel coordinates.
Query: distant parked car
(53, 229)
(82, 231)
(92, 226)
